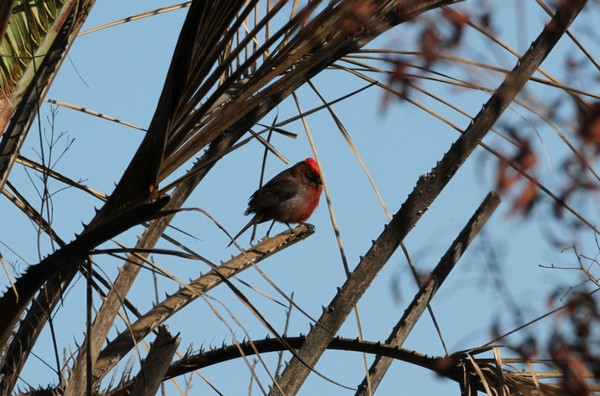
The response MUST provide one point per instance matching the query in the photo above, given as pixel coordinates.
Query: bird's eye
(313, 177)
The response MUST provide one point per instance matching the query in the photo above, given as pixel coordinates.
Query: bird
(290, 197)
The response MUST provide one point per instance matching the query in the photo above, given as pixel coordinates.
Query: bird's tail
(250, 224)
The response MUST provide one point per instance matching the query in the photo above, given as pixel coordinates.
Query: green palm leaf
(37, 37)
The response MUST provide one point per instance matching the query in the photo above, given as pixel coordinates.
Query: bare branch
(427, 292)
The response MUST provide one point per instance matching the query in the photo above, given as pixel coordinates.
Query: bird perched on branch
(290, 197)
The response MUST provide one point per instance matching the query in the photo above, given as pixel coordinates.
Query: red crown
(312, 164)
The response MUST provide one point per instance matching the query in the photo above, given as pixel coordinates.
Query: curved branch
(454, 367)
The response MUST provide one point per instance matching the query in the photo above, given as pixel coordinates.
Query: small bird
(290, 197)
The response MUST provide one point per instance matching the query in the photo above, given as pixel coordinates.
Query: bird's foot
(269, 230)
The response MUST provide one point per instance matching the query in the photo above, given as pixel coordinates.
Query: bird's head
(311, 171)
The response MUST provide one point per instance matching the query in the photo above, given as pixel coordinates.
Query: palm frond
(37, 38)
